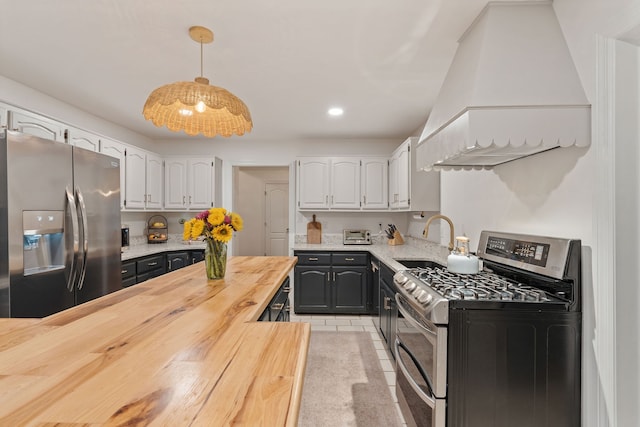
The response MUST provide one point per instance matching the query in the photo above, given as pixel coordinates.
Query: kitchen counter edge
(387, 254)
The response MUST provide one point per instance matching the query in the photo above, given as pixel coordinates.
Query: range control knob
(425, 298)
(400, 279)
(422, 296)
(410, 286)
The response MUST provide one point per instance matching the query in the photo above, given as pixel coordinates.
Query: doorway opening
(261, 197)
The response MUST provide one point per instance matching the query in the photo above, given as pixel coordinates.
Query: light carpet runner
(344, 383)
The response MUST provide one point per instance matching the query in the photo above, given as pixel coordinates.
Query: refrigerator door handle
(76, 238)
(85, 239)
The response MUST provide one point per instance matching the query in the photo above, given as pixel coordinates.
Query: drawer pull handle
(313, 259)
(349, 259)
(278, 306)
(287, 289)
(124, 271)
(151, 264)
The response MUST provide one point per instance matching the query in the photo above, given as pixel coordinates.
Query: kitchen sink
(422, 263)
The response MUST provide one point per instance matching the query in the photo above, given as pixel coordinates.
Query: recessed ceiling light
(335, 111)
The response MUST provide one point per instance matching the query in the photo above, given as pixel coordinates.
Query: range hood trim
(483, 137)
(483, 126)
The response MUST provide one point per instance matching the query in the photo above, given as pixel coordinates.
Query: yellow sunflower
(197, 228)
(186, 232)
(223, 233)
(236, 222)
(216, 216)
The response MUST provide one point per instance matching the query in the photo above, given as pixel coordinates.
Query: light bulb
(200, 107)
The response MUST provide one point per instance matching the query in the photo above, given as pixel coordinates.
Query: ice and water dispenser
(43, 241)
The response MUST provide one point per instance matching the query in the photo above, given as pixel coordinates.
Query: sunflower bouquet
(217, 226)
(216, 223)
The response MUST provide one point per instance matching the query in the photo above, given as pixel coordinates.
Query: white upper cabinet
(83, 139)
(345, 183)
(374, 183)
(154, 180)
(399, 177)
(313, 183)
(188, 183)
(200, 183)
(117, 150)
(4, 116)
(143, 189)
(175, 183)
(409, 188)
(135, 171)
(34, 124)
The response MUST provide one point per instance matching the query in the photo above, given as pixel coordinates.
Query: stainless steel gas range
(500, 348)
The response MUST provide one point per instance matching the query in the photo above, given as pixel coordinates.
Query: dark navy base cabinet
(332, 282)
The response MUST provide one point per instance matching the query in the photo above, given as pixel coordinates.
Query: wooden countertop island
(171, 351)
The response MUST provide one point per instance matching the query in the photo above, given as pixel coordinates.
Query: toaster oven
(356, 237)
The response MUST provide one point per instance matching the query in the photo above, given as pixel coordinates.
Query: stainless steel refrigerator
(59, 225)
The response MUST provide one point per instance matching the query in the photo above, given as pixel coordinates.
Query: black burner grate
(482, 286)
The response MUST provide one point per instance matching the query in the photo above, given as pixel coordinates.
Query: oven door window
(422, 349)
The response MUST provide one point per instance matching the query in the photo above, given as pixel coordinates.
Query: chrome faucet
(425, 232)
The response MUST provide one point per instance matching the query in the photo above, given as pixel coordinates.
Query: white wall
(22, 96)
(627, 234)
(249, 202)
(547, 194)
(553, 194)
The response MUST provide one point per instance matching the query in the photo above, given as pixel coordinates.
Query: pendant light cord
(201, 60)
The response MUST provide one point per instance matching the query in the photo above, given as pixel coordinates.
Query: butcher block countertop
(171, 351)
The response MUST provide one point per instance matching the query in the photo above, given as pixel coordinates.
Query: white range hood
(512, 91)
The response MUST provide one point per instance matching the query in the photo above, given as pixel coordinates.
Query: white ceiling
(288, 60)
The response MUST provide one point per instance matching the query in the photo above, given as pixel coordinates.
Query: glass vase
(215, 259)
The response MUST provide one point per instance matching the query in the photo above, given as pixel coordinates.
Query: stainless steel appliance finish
(356, 237)
(59, 225)
(494, 349)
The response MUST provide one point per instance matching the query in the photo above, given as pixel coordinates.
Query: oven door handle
(429, 399)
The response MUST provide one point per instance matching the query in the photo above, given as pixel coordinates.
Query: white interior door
(276, 219)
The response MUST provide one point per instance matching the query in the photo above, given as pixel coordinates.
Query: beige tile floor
(358, 323)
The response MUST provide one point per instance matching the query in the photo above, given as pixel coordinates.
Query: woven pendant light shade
(198, 107)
